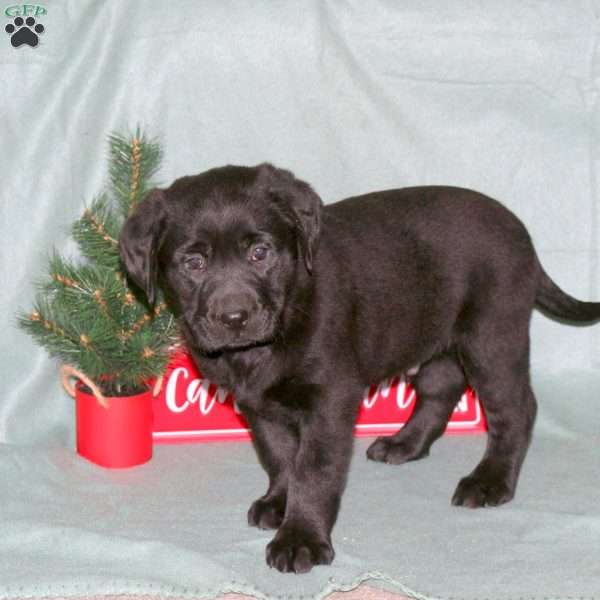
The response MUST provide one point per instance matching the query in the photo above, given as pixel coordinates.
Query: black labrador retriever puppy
(295, 307)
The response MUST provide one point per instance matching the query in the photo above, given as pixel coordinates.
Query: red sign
(190, 409)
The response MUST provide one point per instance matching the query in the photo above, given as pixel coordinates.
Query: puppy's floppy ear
(140, 241)
(298, 203)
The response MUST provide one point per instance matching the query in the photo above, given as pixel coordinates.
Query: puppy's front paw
(294, 550)
(267, 513)
(476, 492)
(394, 452)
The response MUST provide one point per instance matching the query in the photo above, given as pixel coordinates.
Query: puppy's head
(228, 245)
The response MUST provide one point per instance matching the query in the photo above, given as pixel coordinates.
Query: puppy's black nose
(235, 319)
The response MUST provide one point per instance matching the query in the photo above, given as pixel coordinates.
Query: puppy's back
(412, 259)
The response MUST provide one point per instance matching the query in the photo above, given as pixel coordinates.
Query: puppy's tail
(556, 303)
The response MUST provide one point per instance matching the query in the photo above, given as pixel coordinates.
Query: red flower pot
(118, 435)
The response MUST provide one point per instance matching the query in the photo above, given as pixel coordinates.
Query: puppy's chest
(286, 400)
(240, 379)
(264, 390)
(247, 374)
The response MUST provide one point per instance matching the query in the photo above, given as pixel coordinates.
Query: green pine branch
(97, 233)
(85, 314)
(133, 162)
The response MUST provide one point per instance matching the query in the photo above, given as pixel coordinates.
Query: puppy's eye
(195, 263)
(259, 253)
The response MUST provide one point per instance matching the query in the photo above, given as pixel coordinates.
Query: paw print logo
(24, 32)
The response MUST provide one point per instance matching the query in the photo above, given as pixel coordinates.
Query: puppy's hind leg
(500, 375)
(439, 385)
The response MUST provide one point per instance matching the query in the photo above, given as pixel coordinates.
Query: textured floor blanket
(177, 526)
(352, 96)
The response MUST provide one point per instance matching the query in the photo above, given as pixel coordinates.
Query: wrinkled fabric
(352, 96)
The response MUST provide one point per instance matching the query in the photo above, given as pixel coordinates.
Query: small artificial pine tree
(86, 314)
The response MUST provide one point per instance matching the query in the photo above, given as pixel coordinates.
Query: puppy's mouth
(213, 339)
(233, 347)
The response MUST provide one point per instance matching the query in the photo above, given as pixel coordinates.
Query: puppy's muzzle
(232, 317)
